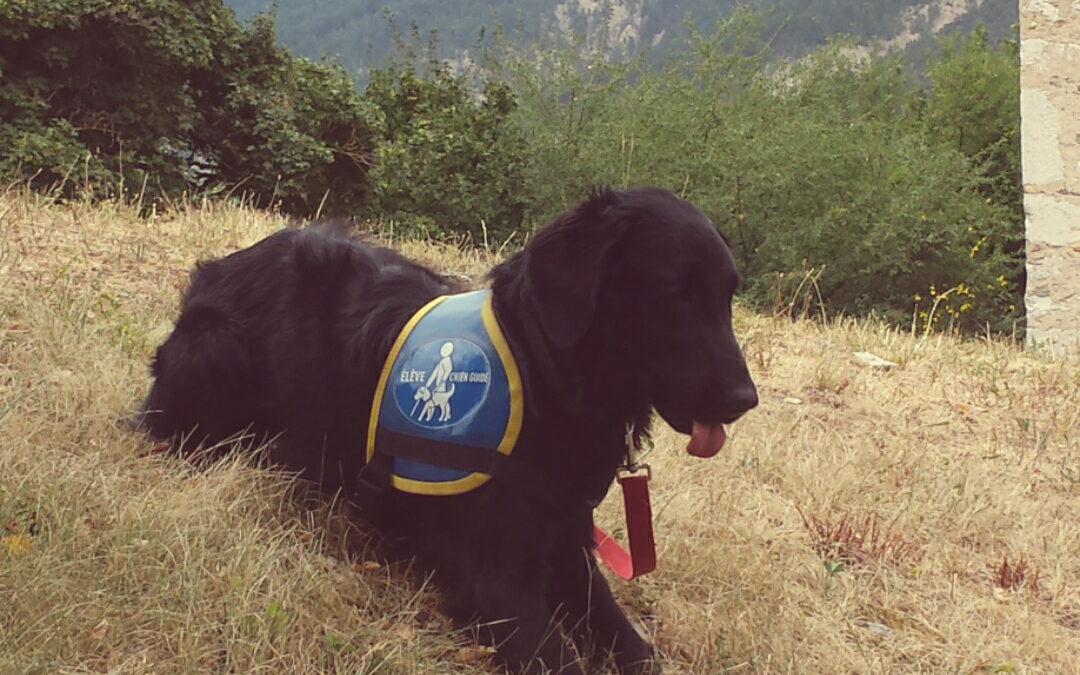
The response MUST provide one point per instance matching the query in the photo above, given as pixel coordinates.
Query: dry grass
(921, 519)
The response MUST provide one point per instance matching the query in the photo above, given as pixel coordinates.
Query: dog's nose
(748, 397)
(740, 399)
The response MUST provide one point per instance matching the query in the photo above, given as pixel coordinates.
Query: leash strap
(641, 558)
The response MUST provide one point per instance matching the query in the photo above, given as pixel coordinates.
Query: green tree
(174, 96)
(447, 160)
(825, 165)
(887, 210)
(973, 105)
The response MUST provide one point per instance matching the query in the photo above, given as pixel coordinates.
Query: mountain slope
(362, 32)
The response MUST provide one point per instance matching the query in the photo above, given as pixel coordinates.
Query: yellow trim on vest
(388, 365)
(513, 425)
(447, 489)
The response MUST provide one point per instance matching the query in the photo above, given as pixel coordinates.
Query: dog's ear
(564, 267)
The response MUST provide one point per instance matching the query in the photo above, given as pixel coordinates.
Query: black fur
(613, 309)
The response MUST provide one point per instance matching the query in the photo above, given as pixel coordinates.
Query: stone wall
(1050, 141)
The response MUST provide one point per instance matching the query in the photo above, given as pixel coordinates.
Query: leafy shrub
(832, 167)
(173, 96)
(854, 181)
(446, 160)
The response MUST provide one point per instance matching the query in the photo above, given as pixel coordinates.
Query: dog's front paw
(637, 659)
(649, 667)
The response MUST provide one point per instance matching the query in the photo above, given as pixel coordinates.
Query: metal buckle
(631, 470)
(374, 476)
(632, 466)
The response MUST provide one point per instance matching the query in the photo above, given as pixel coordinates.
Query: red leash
(641, 558)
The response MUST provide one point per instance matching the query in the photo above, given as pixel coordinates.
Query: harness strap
(445, 454)
(376, 474)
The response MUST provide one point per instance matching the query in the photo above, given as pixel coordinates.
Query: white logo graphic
(434, 393)
(444, 381)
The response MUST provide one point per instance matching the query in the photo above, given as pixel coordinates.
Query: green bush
(173, 97)
(853, 182)
(446, 160)
(831, 170)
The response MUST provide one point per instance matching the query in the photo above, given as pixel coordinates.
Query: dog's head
(639, 283)
(202, 371)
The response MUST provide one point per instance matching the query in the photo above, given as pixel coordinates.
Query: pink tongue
(706, 440)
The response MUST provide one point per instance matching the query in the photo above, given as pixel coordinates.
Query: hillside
(924, 518)
(360, 32)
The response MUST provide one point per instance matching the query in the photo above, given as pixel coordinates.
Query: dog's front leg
(515, 619)
(596, 622)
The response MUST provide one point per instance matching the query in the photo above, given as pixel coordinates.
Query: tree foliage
(840, 177)
(174, 96)
(447, 160)
(973, 104)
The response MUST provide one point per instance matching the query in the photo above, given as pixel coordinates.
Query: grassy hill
(920, 519)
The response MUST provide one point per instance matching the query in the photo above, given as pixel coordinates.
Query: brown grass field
(924, 518)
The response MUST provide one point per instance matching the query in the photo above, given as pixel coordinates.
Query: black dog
(614, 309)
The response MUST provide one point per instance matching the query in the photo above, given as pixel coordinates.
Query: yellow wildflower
(16, 543)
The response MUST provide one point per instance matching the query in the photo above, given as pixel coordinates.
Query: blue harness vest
(448, 399)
